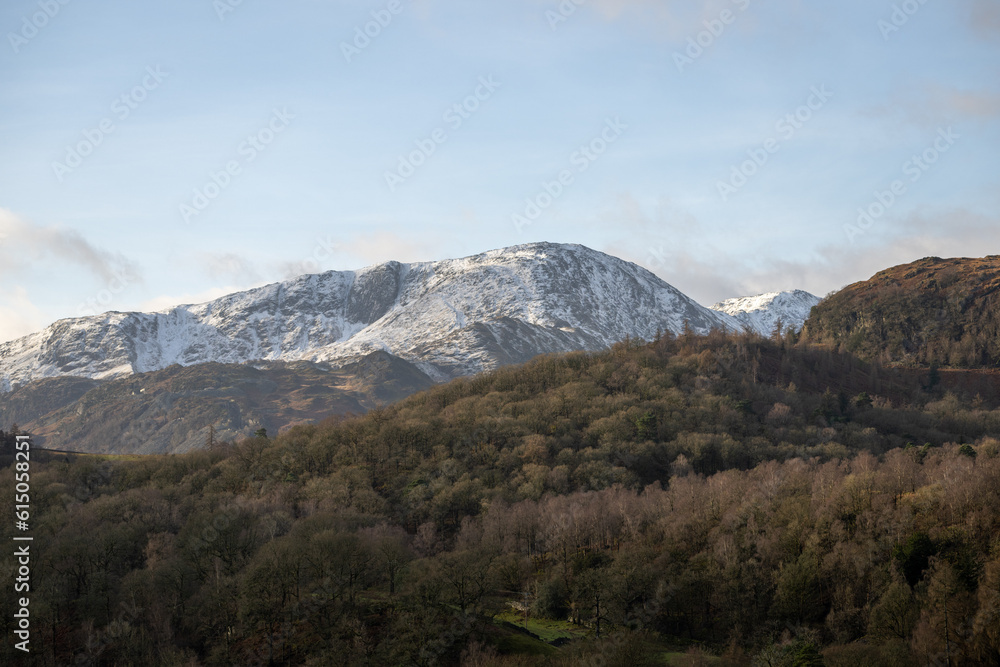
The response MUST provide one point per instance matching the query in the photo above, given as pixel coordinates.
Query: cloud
(33, 252)
(934, 104)
(951, 233)
(166, 302)
(23, 244)
(662, 241)
(828, 269)
(700, 279)
(674, 14)
(328, 253)
(361, 249)
(659, 241)
(18, 315)
(985, 17)
(229, 267)
(975, 104)
(675, 20)
(385, 246)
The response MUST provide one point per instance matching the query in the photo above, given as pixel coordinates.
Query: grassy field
(549, 631)
(546, 630)
(520, 644)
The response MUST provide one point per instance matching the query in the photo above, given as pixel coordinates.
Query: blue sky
(162, 153)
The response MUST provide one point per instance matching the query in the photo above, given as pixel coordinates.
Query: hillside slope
(785, 502)
(933, 311)
(171, 410)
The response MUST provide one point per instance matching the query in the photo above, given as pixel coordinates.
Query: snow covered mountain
(761, 313)
(450, 318)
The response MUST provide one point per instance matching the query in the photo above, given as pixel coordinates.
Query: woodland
(694, 500)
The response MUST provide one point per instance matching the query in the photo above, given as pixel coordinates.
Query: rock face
(449, 318)
(762, 312)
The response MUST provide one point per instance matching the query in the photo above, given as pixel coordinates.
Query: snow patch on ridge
(451, 318)
(761, 313)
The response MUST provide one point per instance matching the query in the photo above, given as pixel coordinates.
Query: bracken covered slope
(933, 311)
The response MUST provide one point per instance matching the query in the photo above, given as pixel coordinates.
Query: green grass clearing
(546, 629)
(519, 644)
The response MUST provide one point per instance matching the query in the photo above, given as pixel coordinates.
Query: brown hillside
(171, 410)
(933, 311)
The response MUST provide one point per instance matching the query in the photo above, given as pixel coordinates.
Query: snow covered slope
(450, 318)
(761, 313)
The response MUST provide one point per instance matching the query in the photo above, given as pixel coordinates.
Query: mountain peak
(451, 317)
(761, 313)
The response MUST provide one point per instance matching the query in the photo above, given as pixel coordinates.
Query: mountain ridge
(450, 318)
(762, 312)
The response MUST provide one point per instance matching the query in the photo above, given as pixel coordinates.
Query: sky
(159, 153)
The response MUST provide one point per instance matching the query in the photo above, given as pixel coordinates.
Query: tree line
(758, 501)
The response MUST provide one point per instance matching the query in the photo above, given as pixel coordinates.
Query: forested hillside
(726, 499)
(933, 311)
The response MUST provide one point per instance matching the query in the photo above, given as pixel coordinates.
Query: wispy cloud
(975, 104)
(229, 267)
(23, 243)
(354, 251)
(952, 233)
(384, 246)
(660, 239)
(985, 18)
(238, 273)
(31, 249)
(663, 242)
(933, 104)
(18, 315)
(674, 20)
(167, 301)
